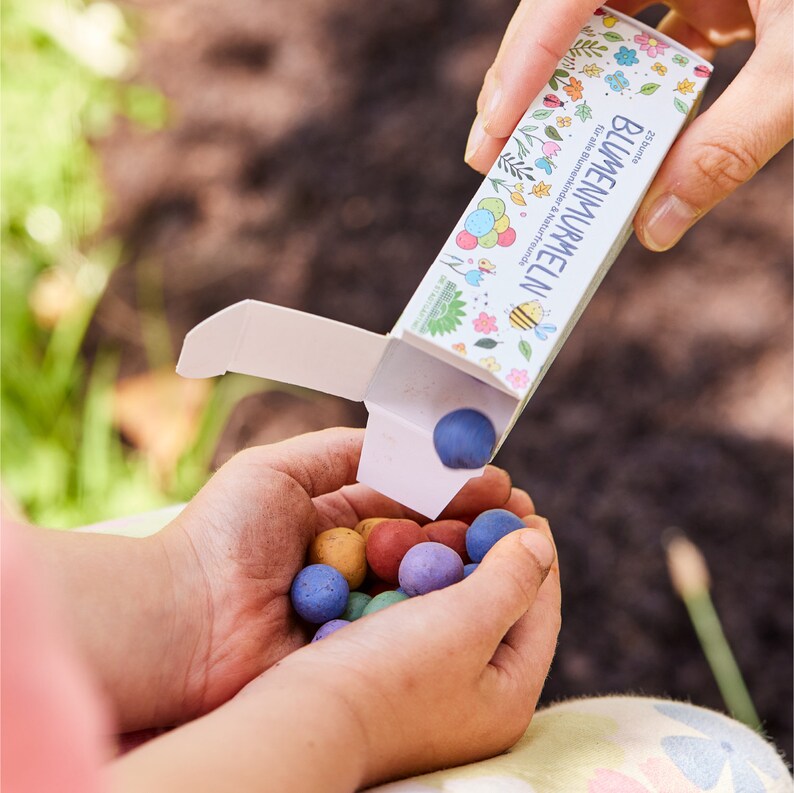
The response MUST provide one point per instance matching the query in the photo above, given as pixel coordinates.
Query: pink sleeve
(54, 725)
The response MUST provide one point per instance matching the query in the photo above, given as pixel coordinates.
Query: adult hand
(236, 547)
(719, 151)
(431, 682)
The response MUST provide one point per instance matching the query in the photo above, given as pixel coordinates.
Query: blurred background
(163, 160)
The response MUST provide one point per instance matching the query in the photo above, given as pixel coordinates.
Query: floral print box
(555, 209)
(509, 283)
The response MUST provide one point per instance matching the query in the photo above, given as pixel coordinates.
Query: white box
(512, 279)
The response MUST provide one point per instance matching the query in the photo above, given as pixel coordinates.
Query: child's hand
(237, 546)
(439, 680)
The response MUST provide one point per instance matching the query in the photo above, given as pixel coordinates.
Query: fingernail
(491, 104)
(667, 221)
(539, 545)
(476, 139)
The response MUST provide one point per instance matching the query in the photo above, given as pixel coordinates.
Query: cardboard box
(510, 282)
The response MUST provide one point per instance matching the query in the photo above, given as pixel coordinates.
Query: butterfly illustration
(617, 81)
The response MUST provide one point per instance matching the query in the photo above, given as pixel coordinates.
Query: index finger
(537, 37)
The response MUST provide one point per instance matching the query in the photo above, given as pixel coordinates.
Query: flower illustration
(685, 87)
(563, 121)
(651, 46)
(490, 364)
(702, 759)
(660, 69)
(663, 776)
(459, 348)
(518, 378)
(485, 324)
(574, 89)
(541, 189)
(626, 57)
(550, 148)
(680, 60)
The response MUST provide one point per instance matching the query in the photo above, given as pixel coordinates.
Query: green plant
(63, 65)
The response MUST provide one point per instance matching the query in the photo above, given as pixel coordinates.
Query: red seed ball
(451, 533)
(388, 542)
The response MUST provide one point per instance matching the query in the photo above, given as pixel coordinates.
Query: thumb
(721, 150)
(504, 586)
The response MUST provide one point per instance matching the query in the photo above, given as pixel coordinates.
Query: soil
(314, 160)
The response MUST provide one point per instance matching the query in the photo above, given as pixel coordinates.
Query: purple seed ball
(487, 529)
(468, 569)
(465, 439)
(319, 593)
(429, 566)
(329, 628)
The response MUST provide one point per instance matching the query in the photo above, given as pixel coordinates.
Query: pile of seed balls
(381, 561)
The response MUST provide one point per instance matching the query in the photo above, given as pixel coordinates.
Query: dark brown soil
(315, 160)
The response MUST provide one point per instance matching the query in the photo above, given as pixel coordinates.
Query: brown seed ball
(388, 542)
(344, 550)
(451, 533)
(364, 527)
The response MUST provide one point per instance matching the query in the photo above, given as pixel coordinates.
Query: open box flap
(277, 343)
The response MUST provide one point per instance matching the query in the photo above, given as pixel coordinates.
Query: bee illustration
(529, 316)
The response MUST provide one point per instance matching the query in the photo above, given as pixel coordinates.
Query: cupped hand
(236, 547)
(717, 153)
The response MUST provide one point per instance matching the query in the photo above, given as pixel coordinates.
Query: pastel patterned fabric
(620, 745)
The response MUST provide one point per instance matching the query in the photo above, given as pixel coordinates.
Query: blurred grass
(65, 68)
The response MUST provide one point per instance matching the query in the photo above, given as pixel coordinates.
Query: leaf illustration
(552, 133)
(583, 111)
(496, 183)
(648, 88)
(525, 349)
(591, 70)
(542, 113)
(553, 84)
(517, 168)
(680, 106)
(588, 47)
(486, 344)
(522, 149)
(612, 36)
(528, 128)
(560, 73)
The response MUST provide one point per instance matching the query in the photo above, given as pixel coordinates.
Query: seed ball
(468, 569)
(364, 527)
(343, 549)
(464, 438)
(388, 542)
(319, 593)
(451, 533)
(487, 529)
(356, 602)
(430, 566)
(383, 600)
(329, 628)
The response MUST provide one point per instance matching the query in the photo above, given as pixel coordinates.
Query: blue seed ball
(429, 566)
(319, 593)
(487, 529)
(383, 600)
(479, 222)
(356, 603)
(468, 569)
(329, 628)
(464, 438)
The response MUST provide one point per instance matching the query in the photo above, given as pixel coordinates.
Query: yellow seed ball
(344, 550)
(365, 526)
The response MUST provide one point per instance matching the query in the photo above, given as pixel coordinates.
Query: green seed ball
(382, 601)
(356, 603)
(493, 205)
